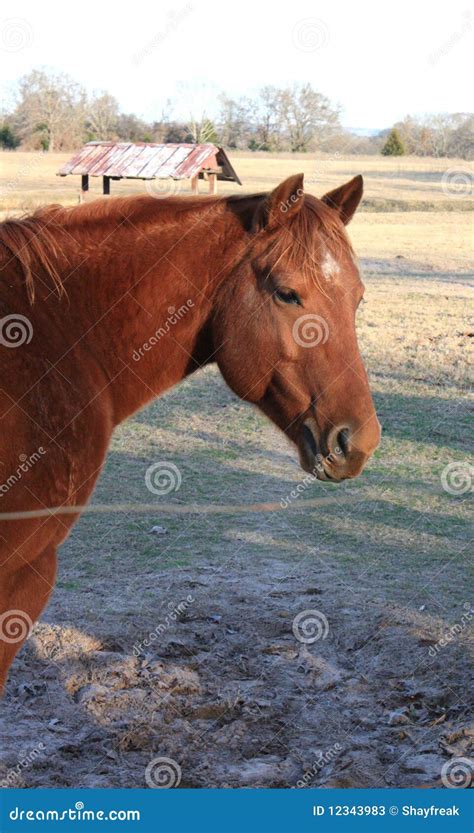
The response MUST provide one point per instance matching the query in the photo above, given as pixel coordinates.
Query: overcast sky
(378, 61)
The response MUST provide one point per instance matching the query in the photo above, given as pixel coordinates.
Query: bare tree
(102, 117)
(201, 129)
(50, 110)
(307, 116)
(235, 120)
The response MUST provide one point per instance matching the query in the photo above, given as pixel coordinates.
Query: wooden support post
(106, 186)
(213, 183)
(195, 184)
(84, 187)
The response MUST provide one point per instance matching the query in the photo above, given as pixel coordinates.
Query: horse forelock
(305, 240)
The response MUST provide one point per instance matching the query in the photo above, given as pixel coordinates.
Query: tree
(234, 122)
(130, 128)
(102, 117)
(201, 129)
(8, 139)
(461, 141)
(307, 117)
(394, 145)
(50, 110)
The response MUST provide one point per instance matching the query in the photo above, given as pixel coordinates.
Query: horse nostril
(310, 439)
(342, 441)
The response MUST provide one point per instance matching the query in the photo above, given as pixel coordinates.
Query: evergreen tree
(394, 145)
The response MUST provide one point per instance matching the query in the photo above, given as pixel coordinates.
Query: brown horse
(106, 305)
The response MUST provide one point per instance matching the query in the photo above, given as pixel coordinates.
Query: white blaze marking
(330, 268)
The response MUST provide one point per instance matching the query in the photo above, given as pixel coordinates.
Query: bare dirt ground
(231, 695)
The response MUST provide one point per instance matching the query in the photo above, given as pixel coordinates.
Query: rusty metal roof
(142, 160)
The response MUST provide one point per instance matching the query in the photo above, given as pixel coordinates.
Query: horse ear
(346, 198)
(283, 202)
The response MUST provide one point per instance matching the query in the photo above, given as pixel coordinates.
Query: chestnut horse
(106, 305)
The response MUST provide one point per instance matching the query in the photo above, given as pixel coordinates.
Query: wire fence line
(173, 508)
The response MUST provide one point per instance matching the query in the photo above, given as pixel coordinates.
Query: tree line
(53, 112)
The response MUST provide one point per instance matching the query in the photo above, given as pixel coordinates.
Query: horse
(106, 305)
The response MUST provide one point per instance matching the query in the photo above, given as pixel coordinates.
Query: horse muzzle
(339, 453)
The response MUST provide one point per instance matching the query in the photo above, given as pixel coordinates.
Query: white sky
(378, 60)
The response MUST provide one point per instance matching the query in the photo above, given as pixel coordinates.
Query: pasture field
(180, 644)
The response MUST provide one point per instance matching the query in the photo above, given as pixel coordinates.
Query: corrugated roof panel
(169, 168)
(117, 162)
(79, 161)
(112, 155)
(162, 154)
(195, 161)
(140, 160)
(93, 162)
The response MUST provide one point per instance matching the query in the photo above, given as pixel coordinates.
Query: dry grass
(28, 179)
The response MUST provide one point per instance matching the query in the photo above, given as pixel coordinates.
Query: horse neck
(152, 292)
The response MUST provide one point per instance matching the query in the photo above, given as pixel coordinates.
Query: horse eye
(288, 296)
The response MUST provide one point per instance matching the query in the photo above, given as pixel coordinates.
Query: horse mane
(33, 244)
(39, 241)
